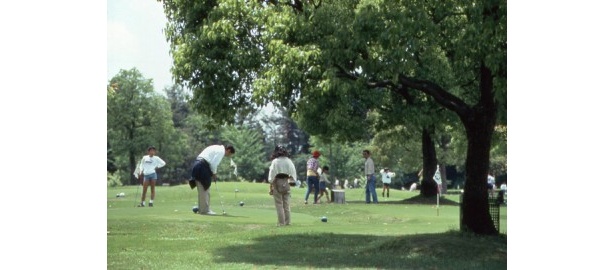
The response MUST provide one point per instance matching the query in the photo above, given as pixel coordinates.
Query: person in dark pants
(313, 181)
(370, 186)
(281, 173)
(204, 171)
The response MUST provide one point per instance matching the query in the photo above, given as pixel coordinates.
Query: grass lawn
(397, 233)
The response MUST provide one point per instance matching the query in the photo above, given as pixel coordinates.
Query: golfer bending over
(204, 170)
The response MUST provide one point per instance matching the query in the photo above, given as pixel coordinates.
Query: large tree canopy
(299, 54)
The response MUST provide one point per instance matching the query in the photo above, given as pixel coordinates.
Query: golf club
(220, 196)
(236, 177)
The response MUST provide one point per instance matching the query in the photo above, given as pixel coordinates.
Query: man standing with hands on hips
(370, 187)
(204, 171)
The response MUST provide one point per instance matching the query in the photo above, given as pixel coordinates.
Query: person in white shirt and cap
(204, 171)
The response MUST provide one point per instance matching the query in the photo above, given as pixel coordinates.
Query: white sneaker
(210, 213)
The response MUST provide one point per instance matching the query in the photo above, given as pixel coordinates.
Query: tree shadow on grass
(451, 250)
(415, 200)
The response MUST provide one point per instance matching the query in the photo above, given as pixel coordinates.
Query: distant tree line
(137, 117)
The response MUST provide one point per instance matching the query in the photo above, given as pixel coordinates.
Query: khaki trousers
(282, 207)
(203, 198)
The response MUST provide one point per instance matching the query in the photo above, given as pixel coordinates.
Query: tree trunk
(479, 122)
(160, 172)
(429, 187)
(133, 164)
(110, 159)
(331, 165)
(475, 208)
(479, 125)
(444, 141)
(132, 160)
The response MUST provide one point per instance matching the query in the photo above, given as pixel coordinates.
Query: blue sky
(135, 38)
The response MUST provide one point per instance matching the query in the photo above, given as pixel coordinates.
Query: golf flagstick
(136, 194)
(438, 202)
(438, 180)
(137, 174)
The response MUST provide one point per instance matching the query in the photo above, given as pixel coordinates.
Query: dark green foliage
(136, 118)
(333, 62)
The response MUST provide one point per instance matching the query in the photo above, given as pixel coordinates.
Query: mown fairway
(389, 235)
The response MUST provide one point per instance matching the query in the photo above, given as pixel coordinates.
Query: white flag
(436, 176)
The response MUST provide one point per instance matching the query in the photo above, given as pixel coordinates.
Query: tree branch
(407, 148)
(298, 5)
(396, 88)
(439, 20)
(341, 73)
(442, 97)
(316, 5)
